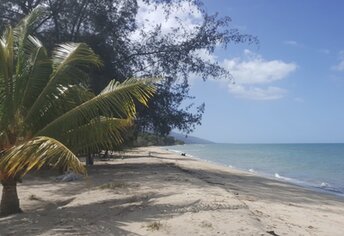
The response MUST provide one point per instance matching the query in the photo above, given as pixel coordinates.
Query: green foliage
(47, 111)
(147, 139)
(105, 25)
(36, 153)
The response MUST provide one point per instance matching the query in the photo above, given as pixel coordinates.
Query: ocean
(316, 166)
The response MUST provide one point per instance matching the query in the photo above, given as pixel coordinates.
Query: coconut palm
(47, 114)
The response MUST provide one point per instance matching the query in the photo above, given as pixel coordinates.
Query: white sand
(168, 194)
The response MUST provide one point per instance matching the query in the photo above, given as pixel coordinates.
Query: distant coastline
(188, 139)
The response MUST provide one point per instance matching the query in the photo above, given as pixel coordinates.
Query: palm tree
(46, 111)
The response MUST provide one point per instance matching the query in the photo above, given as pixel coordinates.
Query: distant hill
(189, 139)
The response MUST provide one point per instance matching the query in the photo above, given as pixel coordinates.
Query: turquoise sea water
(318, 166)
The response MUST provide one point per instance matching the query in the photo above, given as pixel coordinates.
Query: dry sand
(167, 194)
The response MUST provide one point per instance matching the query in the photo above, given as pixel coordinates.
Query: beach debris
(183, 154)
(272, 233)
(206, 224)
(33, 197)
(68, 177)
(154, 226)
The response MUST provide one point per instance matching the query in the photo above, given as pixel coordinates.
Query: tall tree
(108, 26)
(47, 112)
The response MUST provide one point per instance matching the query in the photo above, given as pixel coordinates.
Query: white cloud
(340, 65)
(151, 15)
(255, 93)
(253, 71)
(256, 70)
(205, 55)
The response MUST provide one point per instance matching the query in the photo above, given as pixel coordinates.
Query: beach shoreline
(278, 162)
(294, 182)
(153, 191)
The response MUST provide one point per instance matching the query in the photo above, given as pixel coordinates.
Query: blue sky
(290, 88)
(300, 97)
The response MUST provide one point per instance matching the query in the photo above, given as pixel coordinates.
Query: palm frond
(22, 32)
(47, 109)
(6, 76)
(99, 134)
(69, 62)
(116, 100)
(35, 75)
(141, 93)
(4, 73)
(63, 100)
(74, 54)
(14, 56)
(38, 152)
(27, 24)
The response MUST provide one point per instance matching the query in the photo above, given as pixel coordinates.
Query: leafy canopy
(107, 26)
(47, 112)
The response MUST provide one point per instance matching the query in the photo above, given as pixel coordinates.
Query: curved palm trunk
(9, 200)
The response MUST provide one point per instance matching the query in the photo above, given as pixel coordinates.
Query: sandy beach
(151, 191)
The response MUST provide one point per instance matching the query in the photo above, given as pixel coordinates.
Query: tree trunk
(9, 201)
(89, 160)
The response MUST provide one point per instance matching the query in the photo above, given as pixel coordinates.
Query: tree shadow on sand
(109, 217)
(251, 185)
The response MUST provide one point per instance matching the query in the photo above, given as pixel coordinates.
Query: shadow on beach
(136, 188)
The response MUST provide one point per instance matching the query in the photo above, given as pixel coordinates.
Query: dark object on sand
(272, 233)
(89, 159)
(183, 154)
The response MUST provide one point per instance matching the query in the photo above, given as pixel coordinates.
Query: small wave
(282, 177)
(325, 185)
(329, 187)
(176, 151)
(252, 170)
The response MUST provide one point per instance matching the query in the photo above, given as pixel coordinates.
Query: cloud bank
(253, 76)
(151, 15)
